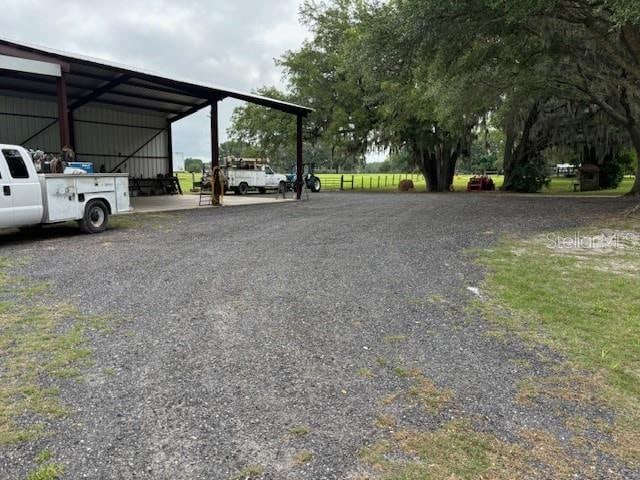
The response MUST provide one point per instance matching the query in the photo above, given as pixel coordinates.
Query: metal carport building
(114, 116)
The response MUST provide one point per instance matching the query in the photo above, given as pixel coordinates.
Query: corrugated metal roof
(126, 86)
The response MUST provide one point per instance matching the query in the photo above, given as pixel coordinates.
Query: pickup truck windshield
(16, 165)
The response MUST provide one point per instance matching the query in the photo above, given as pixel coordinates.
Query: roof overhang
(27, 69)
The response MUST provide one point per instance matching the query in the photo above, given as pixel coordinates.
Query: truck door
(6, 200)
(271, 180)
(24, 188)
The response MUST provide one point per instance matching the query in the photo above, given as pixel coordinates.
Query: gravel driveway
(241, 323)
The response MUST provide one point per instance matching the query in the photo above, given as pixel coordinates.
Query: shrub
(611, 174)
(530, 177)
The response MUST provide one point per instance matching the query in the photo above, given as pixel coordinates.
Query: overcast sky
(230, 43)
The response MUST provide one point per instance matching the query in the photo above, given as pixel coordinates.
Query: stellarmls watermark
(603, 241)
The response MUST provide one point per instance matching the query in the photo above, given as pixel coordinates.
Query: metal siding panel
(106, 143)
(113, 142)
(15, 130)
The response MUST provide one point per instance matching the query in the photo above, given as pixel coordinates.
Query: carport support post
(299, 179)
(215, 149)
(63, 112)
(169, 149)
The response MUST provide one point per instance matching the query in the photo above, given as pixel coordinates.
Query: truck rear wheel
(243, 188)
(96, 217)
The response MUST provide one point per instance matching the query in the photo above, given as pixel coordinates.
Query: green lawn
(562, 186)
(389, 182)
(186, 180)
(42, 341)
(583, 302)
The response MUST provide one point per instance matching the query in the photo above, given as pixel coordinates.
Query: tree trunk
(523, 151)
(438, 167)
(634, 133)
(507, 165)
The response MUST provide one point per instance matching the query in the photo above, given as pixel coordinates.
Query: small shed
(589, 177)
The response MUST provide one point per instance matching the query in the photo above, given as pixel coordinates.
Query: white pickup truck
(28, 198)
(259, 177)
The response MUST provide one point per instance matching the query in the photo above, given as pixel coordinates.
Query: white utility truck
(28, 198)
(252, 174)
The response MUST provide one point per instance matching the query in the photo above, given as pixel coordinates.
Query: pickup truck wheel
(96, 217)
(315, 184)
(243, 188)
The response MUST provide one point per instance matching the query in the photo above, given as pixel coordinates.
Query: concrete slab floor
(165, 203)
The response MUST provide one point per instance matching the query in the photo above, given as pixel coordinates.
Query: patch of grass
(416, 302)
(365, 373)
(579, 388)
(390, 398)
(50, 471)
(382, 362)
(121, 222)
(156, 221)
(31, 291)
(424, 392)
(44, 456)
(404, 372)
(250, 472)
(421, 391)
(567, 301)
(457, 451)
(374, 455)
(518, 362)
(39, 342)
(545, 449)
(454, 451)
(303, 457)
(103, 323)
(385, 421)
(584, 302)
(435, 298)
(394, 338)
(299, 430)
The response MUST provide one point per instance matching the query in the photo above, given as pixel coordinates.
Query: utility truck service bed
(28, 198)
(247, 174)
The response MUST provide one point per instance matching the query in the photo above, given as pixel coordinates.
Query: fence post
(378, 181)
(362, 184)
(385, 180)
(342, 182)
(353, 181)
(370, 182)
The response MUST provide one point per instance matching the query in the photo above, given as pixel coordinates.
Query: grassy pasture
(389, 182)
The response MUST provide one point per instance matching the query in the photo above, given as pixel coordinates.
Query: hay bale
(405, 185)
